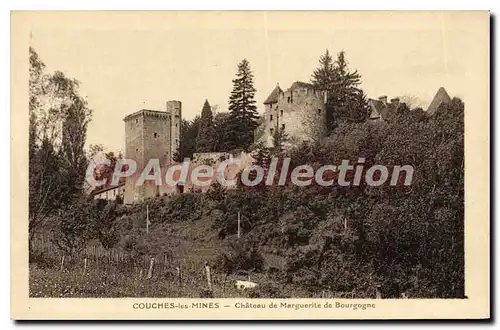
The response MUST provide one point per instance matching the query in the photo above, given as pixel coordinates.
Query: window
(136, 120)
(156, 135)
(136, 149)
(319, 111)
(271, 130)
(288, 100)
(271, 118)
(281, 112)
(176, 125)
(282, 126)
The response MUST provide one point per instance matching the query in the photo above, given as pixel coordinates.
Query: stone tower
(174, 108)
(150, 134)
(299, 111)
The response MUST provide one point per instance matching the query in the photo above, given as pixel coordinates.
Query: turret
(175, 110)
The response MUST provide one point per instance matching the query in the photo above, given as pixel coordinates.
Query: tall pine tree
(324, 76)
(346, 101)
(243, 111)
(206, 139)
(350, 100)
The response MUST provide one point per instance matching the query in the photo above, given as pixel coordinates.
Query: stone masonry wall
(147, 136)
(301, 112)
(175, 110)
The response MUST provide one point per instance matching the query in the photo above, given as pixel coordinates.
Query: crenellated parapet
(149, 113)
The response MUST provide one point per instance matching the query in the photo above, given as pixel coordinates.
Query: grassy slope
(191, 244)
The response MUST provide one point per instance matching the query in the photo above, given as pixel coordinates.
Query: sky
(128, 62)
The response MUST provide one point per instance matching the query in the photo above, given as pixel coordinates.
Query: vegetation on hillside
(310, 240)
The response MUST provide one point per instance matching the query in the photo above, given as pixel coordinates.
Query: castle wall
(147, 136)
(157, 137)
(301, 111)
(134, 149)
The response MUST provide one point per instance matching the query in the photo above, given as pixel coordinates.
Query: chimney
(383, 99)
(395, 101)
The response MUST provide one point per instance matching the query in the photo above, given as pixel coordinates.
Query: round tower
(175, 110)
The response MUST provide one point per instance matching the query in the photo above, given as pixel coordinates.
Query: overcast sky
(126, 63)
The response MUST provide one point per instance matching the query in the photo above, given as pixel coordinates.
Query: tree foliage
(59, 117)
(345, 101)
(206, 139)
(243, 111)
(189, 134)
(351, 240)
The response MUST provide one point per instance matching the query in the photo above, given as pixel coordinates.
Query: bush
(240, 256)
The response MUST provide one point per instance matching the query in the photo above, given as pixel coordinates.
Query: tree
(280, 138)
(57, 130)
(221, 120)
(345, 101)
(350, 102)
(412, 101)
(74, 226)
(46, 189)
(206, 139)
(189, 133)
(243, 111)
(73, 141)
(324, 77)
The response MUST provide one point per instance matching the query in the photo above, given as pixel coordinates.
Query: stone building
(381, 110)
(299, 112)
(110, 193)
(150, 134)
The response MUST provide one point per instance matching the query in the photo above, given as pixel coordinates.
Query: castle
(151, 134)
(299, 112)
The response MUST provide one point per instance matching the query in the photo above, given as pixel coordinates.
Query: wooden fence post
(209, 278)
(378, 293)
(151, 266)
(84, 266)
(239, 224)
(62, 263)
(179, 276)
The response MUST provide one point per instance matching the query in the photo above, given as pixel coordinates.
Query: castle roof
(381, 109)
(108, 187)
(273, 97)
(440, 98)
(301, 84)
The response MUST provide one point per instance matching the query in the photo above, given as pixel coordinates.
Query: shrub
(240, 256)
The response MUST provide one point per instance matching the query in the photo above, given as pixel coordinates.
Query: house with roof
(381, 110)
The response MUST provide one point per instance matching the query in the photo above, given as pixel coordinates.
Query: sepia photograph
(317, 159)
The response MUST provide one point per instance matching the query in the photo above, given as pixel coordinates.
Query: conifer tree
(280, 138)
(243, 111)
(206, 139)
(324, 76)
(189, 133)
(346, 101)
